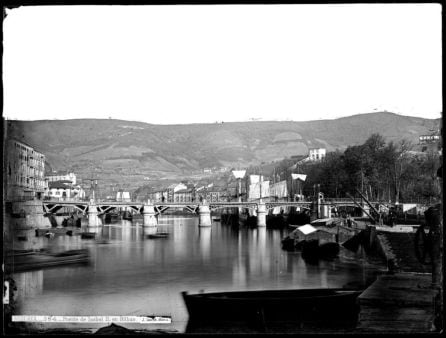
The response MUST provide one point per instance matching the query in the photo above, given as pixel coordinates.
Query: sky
(203, 64)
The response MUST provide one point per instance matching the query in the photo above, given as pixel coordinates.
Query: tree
(400, 162)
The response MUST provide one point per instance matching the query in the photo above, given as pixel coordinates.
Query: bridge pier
(93, 219)
(149, 215)
(204, 214)
(261, 215)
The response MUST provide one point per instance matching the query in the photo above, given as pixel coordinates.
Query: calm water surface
(132, 275)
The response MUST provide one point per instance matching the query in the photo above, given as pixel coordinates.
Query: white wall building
(64, 191)
(317, 154)
(123, 196)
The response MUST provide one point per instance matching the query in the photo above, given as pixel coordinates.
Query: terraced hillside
(129, 151)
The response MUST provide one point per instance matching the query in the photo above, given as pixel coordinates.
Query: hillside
(124, 152)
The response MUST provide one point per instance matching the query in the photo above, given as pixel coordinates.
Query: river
(132, 275)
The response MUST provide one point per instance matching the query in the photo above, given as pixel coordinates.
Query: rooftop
(58, 185)
(26, 144)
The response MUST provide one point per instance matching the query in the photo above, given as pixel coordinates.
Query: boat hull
(276, 221)
(158, 235)
(300, 308)
(247, 221)
(88, 235)
(41, 260)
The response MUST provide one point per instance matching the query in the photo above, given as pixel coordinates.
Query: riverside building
(25, 168)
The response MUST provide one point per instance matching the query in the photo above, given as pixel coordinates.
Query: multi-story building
(426, 139)
(156, 196)
(211, 194)
(25, 168)
(216, 194)
(317, 154)
(55, 177)
(123, 196)
(64, 191)
(172, 189)
(183, 195)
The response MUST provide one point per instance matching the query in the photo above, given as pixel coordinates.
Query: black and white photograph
(222, 169)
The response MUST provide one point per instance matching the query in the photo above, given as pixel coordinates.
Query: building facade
(157, 196)
(62, 177)
(64, 191)
(123, 196)
(317, 154)
(25, 168)
(183, 195)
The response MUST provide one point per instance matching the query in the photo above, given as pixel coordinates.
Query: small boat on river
(323, 307)
(247, 218)
(88, 235)
(127, 215)
(43, 259)
(158, 235)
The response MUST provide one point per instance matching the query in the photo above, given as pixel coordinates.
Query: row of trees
(382, 170)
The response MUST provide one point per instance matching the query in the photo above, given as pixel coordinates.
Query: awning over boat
(306, 229)
(277, 210)
(301, 177)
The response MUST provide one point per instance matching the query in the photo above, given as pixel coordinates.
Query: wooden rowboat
(158, 235)
(88, 235)
(300, 308)
(41, 260)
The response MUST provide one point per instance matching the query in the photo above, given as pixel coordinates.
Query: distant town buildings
(25, 168)
(183, 195)
(54, 177)
(215, 170)
(427, 139)
(62, 186)
(157, 196)
(430, 143)
(64, 190)
(123, 196)
(317, 154)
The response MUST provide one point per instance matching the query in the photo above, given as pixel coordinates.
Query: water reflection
(134, 275)
(29, 285)
(204, 239)
(149, 231)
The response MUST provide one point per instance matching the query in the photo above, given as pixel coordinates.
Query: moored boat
(56, 231)
(313, 250)
(111, 217)
(247, 220)
(276, 220)
(158, 235)
(302, 307)
(88, 235)
(127, 216)
(40, 260)
(229, 216)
